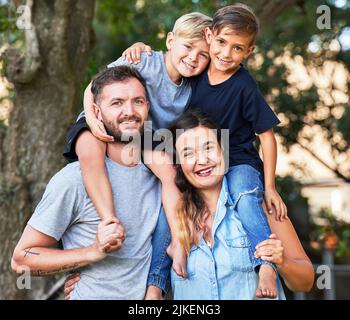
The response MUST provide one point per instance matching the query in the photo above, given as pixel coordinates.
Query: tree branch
(335, 170)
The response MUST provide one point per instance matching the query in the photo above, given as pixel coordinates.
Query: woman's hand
(69, 285)
(133, 53)
(271, 250)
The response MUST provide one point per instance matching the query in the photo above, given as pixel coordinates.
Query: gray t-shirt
(168, 100)
(66, 212)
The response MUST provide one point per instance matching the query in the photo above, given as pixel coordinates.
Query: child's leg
(158, 277)
(246, 189)
(161, 165)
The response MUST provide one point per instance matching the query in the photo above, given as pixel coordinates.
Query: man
(66, 213)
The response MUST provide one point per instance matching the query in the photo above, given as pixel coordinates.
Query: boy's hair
(111, 75)
(238, 17)
(192, 25)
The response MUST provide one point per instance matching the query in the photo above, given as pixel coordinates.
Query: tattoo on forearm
(28, 251)
(65, 268)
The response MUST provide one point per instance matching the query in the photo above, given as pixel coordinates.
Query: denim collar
(225, 202)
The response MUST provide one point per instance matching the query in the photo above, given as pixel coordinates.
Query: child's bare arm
(272, 198)
(161, 166)
(96, 126)
(91, 153)
(133, 53)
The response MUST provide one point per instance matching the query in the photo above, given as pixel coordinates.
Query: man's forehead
(128, 88)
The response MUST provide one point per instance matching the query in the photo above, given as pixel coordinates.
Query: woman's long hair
(191, 208)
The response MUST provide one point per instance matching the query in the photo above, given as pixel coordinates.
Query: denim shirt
(224, 271)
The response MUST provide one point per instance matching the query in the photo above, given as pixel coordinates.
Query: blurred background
(50, 49)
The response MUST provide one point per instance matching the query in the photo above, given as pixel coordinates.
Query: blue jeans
(246, 189)
(159, 273)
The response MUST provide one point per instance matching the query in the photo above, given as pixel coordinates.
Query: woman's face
(201, 157)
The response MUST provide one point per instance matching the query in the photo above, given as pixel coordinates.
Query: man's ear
(97, 110)
(208, 34)
(169, 40)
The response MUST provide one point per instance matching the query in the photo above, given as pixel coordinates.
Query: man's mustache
(131, 118)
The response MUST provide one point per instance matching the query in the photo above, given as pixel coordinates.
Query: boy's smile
(227, 50)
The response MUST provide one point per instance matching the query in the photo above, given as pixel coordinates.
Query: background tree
(46, 75)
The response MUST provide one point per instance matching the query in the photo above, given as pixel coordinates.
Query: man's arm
(40, 254)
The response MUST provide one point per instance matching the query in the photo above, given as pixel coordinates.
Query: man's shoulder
(69, 177)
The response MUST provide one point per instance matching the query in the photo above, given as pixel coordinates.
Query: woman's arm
(294, 265)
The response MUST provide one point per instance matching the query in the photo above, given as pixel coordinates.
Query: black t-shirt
(235, 104)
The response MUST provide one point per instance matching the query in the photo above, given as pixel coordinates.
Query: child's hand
(98, 130)
(70, 283)
(133, 53)
(275, 203)
(271, 250)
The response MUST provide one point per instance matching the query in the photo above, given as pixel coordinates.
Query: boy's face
(228, 49)
(188, 57)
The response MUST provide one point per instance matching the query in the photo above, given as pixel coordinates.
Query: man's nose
(128, 108)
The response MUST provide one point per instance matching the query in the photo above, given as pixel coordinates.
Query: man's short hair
(111, 75)
(239, 18)
(192, 25)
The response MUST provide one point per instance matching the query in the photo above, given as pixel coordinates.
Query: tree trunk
(47, 81)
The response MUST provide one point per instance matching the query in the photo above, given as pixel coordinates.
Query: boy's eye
(238, 49)
(187, 46)
(220, 41)
(204, 55)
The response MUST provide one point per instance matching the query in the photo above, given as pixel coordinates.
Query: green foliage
(331, 226)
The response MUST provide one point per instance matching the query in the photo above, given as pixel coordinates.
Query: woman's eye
(188, 154)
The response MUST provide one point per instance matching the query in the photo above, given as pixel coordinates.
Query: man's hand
(109, 237)
(98, 130)
(133, 53)
(275, 204)
(70, 283)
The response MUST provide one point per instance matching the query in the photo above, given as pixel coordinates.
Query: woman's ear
(169, 40)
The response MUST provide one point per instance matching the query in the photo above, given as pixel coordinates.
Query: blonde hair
(192, 25)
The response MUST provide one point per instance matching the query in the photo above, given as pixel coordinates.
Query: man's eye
(139, 102)
(117, 103)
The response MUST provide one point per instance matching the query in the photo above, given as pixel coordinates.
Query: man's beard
(123, 137)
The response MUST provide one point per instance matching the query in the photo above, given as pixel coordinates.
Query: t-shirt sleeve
(58, 206)
(123, 62)
(258, 112)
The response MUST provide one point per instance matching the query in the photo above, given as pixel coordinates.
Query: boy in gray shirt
(66, 212)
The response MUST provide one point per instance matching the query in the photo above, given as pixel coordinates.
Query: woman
(219, 264)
